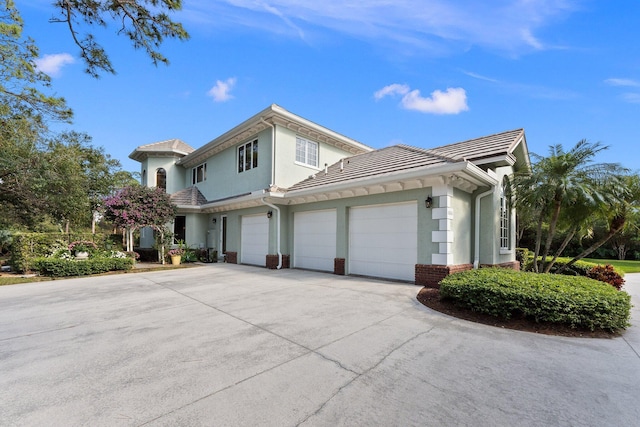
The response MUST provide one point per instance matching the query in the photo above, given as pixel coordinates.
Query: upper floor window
(161, 179)
(248, 156)
(199, 173)
(306, 152)
(505, 215)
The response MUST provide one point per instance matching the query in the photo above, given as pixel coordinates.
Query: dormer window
(248, 156)
(306, 152)
(199, 173)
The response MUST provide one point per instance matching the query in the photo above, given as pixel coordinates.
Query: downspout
(274, 207)
(273, 151)
(476, 252)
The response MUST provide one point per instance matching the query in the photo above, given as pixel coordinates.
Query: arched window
(505, 215)
(161, 179)
(144, 177)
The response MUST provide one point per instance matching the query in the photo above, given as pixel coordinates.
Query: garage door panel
(314, 239)
(254, 239)
(383, 240)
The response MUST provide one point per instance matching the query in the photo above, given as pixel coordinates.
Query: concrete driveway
(225, 345)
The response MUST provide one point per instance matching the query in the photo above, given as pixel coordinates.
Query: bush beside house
(52, 254)
(579, 302)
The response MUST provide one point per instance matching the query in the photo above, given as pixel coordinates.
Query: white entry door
(383, 240)
(254, 239)
(314, 239)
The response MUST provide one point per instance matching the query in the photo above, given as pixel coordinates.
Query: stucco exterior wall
(490, 252)
(175, 173)
(196, 228)
(224, 180)
(288, 172)
(462, 219)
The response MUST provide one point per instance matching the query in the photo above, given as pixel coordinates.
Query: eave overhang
(462, 175)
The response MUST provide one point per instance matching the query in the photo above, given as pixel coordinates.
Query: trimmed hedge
(57, 267)
(576, 301)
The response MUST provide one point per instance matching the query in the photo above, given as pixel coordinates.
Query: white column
(443, 196)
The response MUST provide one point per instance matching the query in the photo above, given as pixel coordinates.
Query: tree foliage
(135, 207)
(21, 83)
(145, 22)
(565, 191)
(62, 179)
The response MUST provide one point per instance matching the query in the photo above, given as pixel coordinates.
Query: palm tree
(565, 181)
(627, 195)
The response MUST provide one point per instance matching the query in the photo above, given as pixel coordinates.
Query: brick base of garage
(231, 257)
(272, 261)
(431, 275)
(338, 266)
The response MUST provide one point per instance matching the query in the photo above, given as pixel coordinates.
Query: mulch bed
(430, 297)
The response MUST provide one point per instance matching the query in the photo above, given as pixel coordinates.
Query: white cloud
(452, 101)
(393, 89)
(221, 91)
(52, 64)
(623, 82)
(434, 25)
(633, 98)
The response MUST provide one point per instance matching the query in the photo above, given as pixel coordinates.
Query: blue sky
(419, 72)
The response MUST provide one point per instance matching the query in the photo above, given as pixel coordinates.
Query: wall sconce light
(269, 214)
(428, 202)
(214, 220)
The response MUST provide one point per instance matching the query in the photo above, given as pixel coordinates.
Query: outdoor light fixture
(214, 220)
(428, 202)
(269, 214)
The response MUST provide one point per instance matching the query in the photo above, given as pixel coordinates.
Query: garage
(383, 240)
(314, 239)
(254, 239)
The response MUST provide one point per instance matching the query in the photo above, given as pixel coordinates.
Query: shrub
(57, 267)
(522, 256)
(576, 301)
(606, 274)
(25, 247)
(579, 268)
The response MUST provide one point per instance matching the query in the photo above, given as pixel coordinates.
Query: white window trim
(244, 160)
(505, 215)
(307, 166)
(194, 173)
(306, 153)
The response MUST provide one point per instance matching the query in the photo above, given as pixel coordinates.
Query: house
(281, 191)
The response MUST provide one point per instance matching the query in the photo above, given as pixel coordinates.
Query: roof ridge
(431, 152)
(520, 130)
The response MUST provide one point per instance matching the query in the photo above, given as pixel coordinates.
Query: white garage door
(314, 239)
(383, 240)
(254, 239)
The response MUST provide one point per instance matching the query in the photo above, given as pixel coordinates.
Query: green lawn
(624, 266)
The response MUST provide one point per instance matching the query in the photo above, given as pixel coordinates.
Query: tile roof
(497, 144)
(404, 157)
(189, 196)
(386, 160)
(170, 146)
